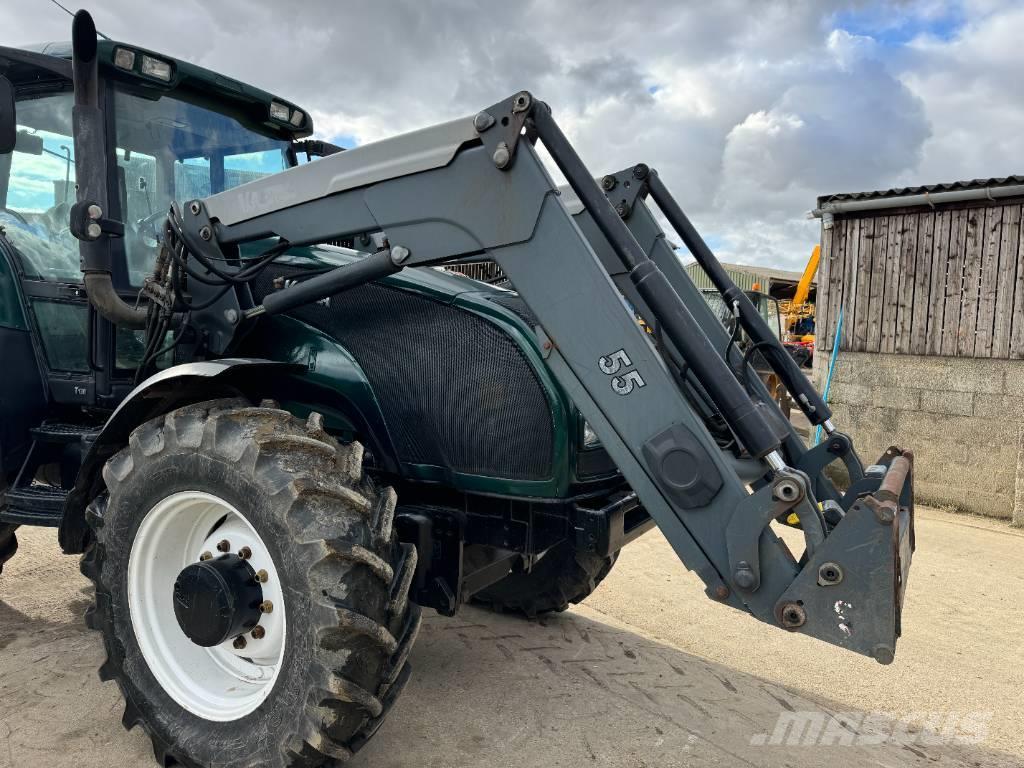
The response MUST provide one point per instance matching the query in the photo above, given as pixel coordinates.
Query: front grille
(454, 389)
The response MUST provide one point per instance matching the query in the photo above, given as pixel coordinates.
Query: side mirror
(28, 143)
(8, 120)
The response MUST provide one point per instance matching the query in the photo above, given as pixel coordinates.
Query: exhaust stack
(88, 222)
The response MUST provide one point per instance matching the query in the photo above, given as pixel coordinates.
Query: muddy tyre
(203, 507)
(8, 543)
(561, 577)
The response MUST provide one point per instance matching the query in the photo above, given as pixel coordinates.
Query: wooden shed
(930, 284)
(932, 278)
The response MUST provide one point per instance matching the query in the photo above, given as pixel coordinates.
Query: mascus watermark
(814, 728)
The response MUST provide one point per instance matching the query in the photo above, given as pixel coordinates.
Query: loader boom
(711, 459)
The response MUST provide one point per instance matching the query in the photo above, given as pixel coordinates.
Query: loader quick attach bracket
(707, 454)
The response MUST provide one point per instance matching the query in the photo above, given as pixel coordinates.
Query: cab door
(22, 394)
(37, 196)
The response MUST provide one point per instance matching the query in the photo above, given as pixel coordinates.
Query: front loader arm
(629, 191)
(476, 186)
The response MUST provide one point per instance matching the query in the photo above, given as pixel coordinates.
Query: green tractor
(241, 383)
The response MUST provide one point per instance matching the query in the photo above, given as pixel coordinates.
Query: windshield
(169, 149)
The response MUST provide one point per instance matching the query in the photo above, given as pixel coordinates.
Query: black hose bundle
(170, 303)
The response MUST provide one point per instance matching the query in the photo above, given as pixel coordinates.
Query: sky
(749, 110)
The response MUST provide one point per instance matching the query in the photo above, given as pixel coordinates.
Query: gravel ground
(647, 673)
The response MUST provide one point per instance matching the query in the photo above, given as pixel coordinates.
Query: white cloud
(973, 94)
(757, 107)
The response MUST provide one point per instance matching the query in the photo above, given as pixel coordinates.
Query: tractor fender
(161, 393)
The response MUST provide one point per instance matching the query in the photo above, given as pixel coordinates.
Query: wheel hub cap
(216, 600)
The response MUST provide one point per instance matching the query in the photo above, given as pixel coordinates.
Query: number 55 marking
(624, 384)
(615, 362)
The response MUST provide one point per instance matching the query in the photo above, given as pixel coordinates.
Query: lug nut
(224, 546)
(266, 607)
(245, 553)
(258, 633)
(262, 576)
(205, 556)
(239, 643)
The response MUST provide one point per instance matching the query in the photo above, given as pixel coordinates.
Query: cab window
(40, 189)
(171, 149)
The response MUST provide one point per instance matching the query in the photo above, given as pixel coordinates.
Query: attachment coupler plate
(850, 592)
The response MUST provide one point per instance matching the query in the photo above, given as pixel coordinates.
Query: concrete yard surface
(648, 672)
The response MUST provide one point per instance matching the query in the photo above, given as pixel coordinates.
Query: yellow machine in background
(798, 308)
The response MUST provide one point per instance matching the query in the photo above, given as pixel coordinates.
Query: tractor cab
(169, 131)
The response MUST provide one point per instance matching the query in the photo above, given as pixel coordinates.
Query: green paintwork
(329, 365)
(12, 313)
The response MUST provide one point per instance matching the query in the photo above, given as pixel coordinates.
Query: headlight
(590, 438)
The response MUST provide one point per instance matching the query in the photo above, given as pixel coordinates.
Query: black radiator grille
(455, 390)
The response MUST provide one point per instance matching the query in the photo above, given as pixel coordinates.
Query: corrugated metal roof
(919, 190)
(744, 275)
(774, 274)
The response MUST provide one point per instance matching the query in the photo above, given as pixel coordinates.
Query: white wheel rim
(221, 683)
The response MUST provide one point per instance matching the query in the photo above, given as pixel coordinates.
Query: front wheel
(252, 596)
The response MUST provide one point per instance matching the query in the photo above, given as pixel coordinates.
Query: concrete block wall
(963, 417)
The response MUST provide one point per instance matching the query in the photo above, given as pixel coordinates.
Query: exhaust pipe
(91, 176)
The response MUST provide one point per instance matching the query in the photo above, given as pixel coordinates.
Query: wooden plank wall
(947, 281)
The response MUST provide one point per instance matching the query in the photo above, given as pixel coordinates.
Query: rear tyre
(562, 576)
(8, 544)
(226, 485)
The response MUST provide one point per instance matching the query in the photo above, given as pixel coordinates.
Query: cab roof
(247, 103)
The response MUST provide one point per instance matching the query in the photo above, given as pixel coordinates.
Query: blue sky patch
(895, 27)
(344, 140)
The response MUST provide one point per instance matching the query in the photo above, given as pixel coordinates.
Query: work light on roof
(157, 68)
(124, 59)
(279, 111)
(297, 117)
